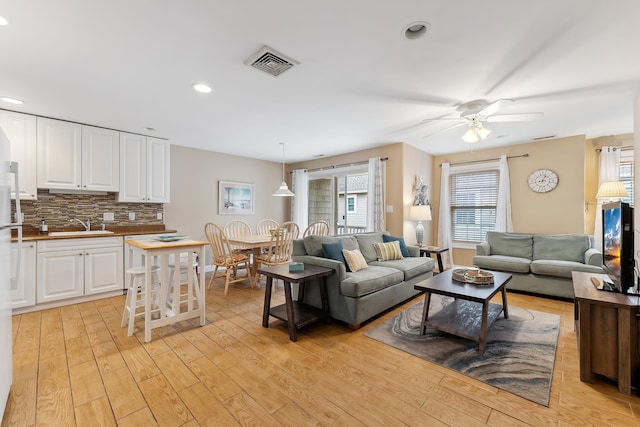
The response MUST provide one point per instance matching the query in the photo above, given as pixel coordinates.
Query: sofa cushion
(410, 266)
(502, 263)
(333, 251)
(348, 242)
(313, 244)
(366, 241)
(563, 247)
(403, 245)
(388, 251)
(558, 268)
(369, 280)
(511, 244)
(355, 260)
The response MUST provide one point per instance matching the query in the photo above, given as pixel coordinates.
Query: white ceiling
(129, 65)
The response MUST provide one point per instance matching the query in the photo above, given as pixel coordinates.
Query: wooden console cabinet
(607, 332)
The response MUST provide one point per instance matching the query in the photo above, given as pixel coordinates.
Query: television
(617, 244)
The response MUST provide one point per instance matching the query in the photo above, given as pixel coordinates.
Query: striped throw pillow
(388, 251)
(354, 259)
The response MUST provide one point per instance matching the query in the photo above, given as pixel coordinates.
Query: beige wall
(194, 189)
(403, 164)
(559, 211)
(416, 164)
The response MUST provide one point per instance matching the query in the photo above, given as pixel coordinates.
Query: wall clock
(543, 180)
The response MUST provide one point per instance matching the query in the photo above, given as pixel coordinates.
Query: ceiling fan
(474, 113)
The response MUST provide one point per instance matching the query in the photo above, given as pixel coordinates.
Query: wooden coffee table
(470, 314)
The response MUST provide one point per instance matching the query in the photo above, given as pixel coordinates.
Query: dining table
(255, 242)
(194, 305)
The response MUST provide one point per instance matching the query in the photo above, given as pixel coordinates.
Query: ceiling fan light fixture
(483, 133)
(470, 136)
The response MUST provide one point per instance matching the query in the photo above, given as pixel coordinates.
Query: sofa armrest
(413, 250)
(593, 257)
(337, 266)
(483, 249)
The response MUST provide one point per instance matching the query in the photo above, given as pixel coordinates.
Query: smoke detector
(271, 61)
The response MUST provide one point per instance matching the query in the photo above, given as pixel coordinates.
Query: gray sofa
(541, 264)
(355, 297)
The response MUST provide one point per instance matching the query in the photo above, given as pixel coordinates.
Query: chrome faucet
(86, 226)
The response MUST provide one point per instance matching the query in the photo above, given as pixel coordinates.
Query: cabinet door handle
(78, 185)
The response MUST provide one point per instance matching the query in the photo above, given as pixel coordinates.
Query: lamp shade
(420, 213)
(612, 190)
(283, 191)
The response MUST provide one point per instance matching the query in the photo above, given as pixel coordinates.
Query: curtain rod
(598, 150)
(344, 165)
(486, 160)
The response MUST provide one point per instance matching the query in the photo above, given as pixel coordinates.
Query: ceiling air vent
(271, 61)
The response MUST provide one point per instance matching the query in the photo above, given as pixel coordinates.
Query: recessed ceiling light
(202, 88)
(3, 20)
(415, 30)
(12, 100)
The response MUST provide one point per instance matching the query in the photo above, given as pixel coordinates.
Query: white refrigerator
(8, 172)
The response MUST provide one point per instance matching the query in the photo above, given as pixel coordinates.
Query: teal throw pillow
(333, 251)
(403, 246)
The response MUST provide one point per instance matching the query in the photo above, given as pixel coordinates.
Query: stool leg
(126, 307)
(132, 307)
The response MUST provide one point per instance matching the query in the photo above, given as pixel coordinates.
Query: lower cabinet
(23, 274)
(70, 268)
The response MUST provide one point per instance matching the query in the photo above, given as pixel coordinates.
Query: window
(473, 200)
(352, 203)
(626, 172)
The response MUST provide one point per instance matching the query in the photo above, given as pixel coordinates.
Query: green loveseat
(541, 264)
(355, 297)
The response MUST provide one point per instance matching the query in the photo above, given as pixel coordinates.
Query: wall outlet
(132, 216)
(389, 208)
(159, 215)
(108, 216)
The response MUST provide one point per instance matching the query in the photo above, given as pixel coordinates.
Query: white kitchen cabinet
(21, 131)
(144, 169)
(70, 268)
(72, 156)
(23, 275)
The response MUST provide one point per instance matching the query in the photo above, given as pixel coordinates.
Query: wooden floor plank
(165, 404)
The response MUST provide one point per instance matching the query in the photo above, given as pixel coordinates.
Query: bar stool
(181, 268)
(135, 289)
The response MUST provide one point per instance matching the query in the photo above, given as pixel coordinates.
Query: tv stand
(607, 333)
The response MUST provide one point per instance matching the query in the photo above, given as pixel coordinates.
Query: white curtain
(503, 208)
(444, 218)
(300, 203)
(375, 199)
(608, 171)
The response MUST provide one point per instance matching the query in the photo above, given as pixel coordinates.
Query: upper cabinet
(144, 169)
(72, 156)
(21, 131)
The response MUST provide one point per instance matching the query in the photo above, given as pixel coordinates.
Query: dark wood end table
(295, 313)
(471, 314)
(438, 250)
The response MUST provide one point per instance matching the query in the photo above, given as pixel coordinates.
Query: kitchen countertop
(32, 233)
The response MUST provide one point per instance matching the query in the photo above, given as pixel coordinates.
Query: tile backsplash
(58, 209)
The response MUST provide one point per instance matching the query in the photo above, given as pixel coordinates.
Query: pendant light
(283, 191)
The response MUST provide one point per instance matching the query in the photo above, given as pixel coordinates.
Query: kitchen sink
(79, 233)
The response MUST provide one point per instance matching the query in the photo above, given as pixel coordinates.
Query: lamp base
(419, 233)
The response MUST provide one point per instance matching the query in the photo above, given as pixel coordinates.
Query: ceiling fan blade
(494, 107)
(444, 130)
(517, 117)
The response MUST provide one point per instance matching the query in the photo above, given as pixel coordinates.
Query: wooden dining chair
(265, 226)
(279, 250)
(237, 228)
(292, 228)
(223, 256)
(317, 228)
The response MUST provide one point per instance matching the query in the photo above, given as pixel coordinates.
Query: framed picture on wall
(236, 198)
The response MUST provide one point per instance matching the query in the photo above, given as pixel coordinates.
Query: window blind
(473, 200)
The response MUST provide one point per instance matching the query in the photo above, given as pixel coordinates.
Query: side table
(428, 250)
(295, 313)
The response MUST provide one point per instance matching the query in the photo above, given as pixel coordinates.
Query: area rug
(519, 356)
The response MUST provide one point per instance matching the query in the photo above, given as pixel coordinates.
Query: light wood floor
(75, 365)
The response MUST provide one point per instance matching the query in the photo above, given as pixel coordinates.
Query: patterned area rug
(520, 351)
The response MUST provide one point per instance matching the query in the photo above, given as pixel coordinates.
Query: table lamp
(420, 213)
